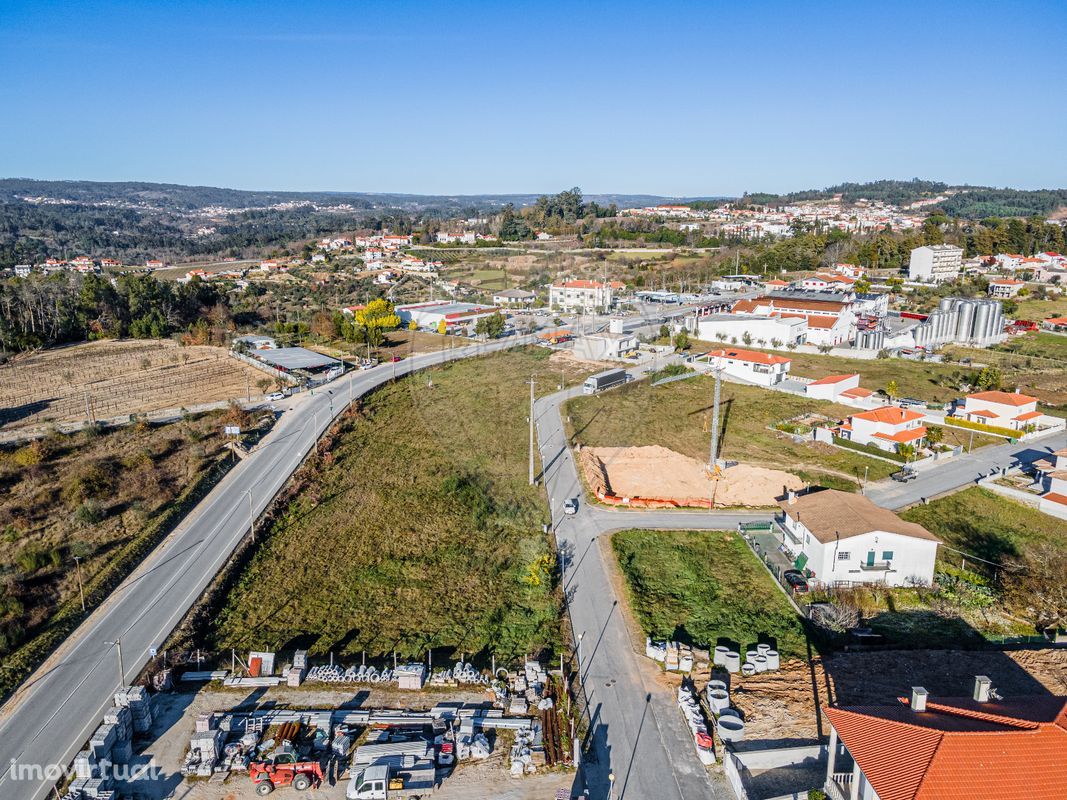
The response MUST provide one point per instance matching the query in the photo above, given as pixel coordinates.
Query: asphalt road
(53, 714)
(638, 734)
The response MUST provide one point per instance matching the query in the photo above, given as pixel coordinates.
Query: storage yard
(109, 379)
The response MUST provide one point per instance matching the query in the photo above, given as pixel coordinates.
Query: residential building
(514, 298)
(733, 328)
(1052, 476)
(825, 282)
(584, 296)
(886, 428)
(953, 748)
(23, 270)
(1009, 262)
(764, 369)
(467, 237)
(1001, 409)
(154, 263)
(841, 538)
(935, 263)
(838, 388)
(1003, 288)
(606, 345)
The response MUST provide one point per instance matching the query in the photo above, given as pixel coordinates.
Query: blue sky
(694, 98)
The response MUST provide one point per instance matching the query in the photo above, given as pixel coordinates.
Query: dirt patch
(782, 704)
(660, 473)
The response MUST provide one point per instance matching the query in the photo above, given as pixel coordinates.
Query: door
(870, 558)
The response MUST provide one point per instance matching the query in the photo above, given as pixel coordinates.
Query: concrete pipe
(718, 699)
(750, 656)
(762, 649)
(731, 729)
(773, 660)
(732, 662)
(717, 684)
(760, 663)
(719, 657)
(748, 669)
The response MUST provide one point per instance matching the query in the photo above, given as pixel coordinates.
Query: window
(887, 555)
(843, 555)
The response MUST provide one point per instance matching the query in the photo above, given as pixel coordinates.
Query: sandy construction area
(657, 472)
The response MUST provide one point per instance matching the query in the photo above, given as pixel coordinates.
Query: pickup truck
(904, 475)
(375, 783)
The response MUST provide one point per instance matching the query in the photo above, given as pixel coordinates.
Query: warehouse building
(298, 362)
(456, 316)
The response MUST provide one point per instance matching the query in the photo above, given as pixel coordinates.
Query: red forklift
(284, 770)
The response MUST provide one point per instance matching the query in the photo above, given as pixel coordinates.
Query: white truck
(372, 783)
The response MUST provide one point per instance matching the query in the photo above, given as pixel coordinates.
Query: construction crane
(714, 470)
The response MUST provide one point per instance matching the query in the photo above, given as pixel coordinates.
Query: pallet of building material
(122, 752)
(198, 676)
(122, 719)
(85, 764)
(95, 787)
(206, 722)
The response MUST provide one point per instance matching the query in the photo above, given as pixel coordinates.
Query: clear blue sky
(695, 98)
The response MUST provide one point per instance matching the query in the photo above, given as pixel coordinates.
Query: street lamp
(611, 785)
(122, 673)
(580, 635)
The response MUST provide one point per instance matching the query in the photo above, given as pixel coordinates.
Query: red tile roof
(1055, 497)
(1004, 398)
(1029, 415)
(829, 379)
(858, 392)
(749, 355)
(959, 749)
(909, 435)
(888, 415)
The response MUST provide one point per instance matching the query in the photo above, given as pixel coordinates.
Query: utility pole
(532, 383)
(81, 589)
(122, 672)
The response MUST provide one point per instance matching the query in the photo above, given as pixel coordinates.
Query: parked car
(904, 475)
(570, 506)
(394, 359)
(908, 402)
(368, 363)
(276, 396)
(795, 580)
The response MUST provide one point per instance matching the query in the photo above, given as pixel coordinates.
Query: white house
(935, 263)
(1001, 409)
(733, 327)
(467, 237)
(764, 369)
(949, 748)
(837, 387)
(886, 428)
(584, 296)
(1003, 288)
(514, 298)
(841, 536)
(825, 282)
(605, 346)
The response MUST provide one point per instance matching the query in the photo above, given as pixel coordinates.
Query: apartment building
(935, 263)
(584, 296)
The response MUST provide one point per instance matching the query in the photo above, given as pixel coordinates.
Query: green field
(417, 530)
(1037, 310)
(700, 586)
(677, 415)
(987, 525)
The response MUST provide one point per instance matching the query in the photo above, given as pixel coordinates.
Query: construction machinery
(283, 769)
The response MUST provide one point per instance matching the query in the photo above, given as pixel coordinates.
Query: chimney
(918, 699)
(791, 497)
(983, 688)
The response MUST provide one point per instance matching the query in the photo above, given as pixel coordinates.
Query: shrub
(957, 422)
(89, 513)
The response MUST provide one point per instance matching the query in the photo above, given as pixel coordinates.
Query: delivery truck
(605, 380)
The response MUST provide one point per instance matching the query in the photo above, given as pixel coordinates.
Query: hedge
(957, 422)
(23, 661)
(869, 449)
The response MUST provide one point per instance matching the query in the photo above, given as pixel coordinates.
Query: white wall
(830, 391)
(758, 327)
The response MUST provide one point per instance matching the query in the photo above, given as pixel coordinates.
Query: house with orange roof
(1052, 477)
(752, 366)
(1003, 288)
(886, 428)
(953, 748)
(1001, 409)
(837, 388)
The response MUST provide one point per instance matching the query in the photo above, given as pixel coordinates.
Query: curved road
(55, 711)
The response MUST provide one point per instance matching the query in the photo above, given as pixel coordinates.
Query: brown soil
(657, 472)
(781, 705)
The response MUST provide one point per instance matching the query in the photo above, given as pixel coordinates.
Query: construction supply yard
(637, 476)
(110, 379)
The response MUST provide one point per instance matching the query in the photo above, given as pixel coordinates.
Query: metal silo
(965, 324)
(982, 322)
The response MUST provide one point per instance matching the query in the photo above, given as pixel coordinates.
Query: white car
(570, 507)
(276, 396)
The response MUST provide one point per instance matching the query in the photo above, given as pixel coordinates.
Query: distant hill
(967, 202)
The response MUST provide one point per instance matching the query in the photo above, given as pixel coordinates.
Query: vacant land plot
(987, 525)
(416, 530)
(678, 416)
(103, 498)
(701, 586)
(1037, 310)
(117, 378)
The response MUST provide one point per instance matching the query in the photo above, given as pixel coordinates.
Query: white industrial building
(733, 327)
(514, 298)
(455, 315)
(842, 537)
(935, 263)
